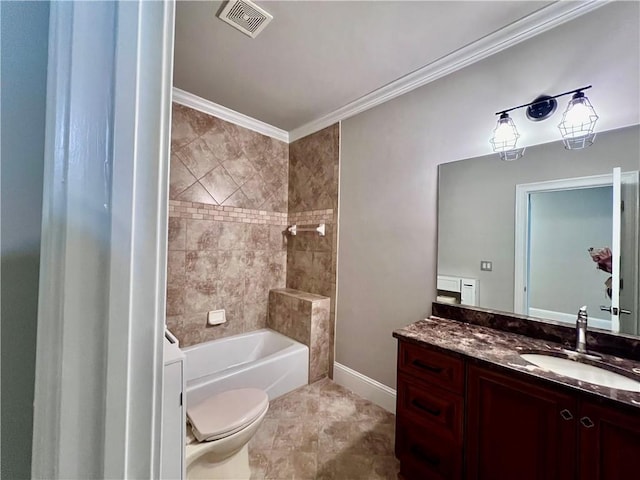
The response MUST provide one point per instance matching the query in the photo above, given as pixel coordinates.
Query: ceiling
(318, 56)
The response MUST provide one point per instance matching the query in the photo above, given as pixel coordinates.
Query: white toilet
(223, 425)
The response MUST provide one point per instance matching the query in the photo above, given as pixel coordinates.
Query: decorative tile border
(205, 211)
(311, 217)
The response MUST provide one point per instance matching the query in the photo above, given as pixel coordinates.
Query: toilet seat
(227, 413)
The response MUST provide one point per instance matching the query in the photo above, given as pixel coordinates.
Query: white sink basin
(582, 371)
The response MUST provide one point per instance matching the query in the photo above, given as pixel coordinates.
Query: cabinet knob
(587, 422)
(566, 414)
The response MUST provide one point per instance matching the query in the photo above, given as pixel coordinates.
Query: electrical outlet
(486, 265)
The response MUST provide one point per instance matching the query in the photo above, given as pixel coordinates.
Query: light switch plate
(486, 265)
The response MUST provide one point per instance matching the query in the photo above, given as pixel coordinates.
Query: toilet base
(235, 467)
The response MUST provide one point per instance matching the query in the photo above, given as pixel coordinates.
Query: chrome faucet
(581, 330)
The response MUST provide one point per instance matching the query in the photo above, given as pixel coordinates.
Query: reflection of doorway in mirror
(557, 222)
(563, 225)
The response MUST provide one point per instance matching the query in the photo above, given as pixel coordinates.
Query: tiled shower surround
(228, 210)
(216, 162)
(221, 264)
(313, 188)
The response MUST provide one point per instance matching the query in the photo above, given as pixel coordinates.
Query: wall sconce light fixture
(577, 125)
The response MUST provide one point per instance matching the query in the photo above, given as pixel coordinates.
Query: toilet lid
(227, 413)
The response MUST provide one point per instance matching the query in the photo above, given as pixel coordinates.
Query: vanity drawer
(437, 410)
(430, 366)
(427, 457)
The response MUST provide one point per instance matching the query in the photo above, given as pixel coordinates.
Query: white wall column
(101, 309)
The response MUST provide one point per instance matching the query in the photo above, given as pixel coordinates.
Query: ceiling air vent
(246, 16)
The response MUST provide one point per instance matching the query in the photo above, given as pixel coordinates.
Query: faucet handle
(582, 313)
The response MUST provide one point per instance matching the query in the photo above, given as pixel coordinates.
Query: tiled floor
(323, 431)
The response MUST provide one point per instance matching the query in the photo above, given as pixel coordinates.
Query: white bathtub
(261, 359)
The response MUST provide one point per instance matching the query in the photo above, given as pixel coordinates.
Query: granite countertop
(502, 349)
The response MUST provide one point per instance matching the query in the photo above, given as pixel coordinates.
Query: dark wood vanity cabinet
(456, 419)
(609, 443)
(430, 413)
(518, 430)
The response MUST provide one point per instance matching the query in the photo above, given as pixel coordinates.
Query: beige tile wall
(218, 261)
(313, 171)
(313, 199)
(227, 213)
(219, 163)
(304, 317)
(232, 194)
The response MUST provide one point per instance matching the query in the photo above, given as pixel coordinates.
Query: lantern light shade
(511, 155)
(578, 123)
(505, 135)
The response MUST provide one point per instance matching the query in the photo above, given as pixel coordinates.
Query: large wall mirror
(540, 235)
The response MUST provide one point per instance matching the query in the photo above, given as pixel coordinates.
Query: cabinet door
(518, 430)
(424, 456)
(609, 443)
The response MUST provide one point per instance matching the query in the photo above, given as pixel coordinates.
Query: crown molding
(198, 103)
(538, 22)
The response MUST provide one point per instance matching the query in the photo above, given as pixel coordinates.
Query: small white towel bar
(294, 229)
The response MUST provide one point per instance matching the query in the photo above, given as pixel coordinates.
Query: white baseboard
(366, 387)
(569, 318)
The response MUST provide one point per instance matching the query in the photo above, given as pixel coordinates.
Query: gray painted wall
(563, 226)
(387, 241)
(25, 27)
(389, 158)
(477, 210)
